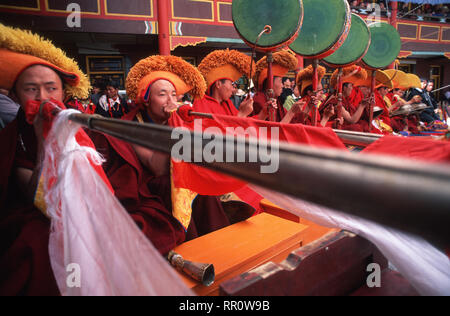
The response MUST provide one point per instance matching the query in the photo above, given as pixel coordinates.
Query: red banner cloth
(426, 150)
(32, 108)
(207, 182)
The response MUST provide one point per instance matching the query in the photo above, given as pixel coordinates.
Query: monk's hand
(315, 100)
(246, 106)
(329, 111)
(297, 107)
(365, 103)
(271, 103)
(416, 99)
(170, 107)
(38, 124)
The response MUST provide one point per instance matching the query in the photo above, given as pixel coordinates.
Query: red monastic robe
(259, 102)
(208, 214)
(350, 107)
(306, 118)
(399, 123)
(24, 231)
(211, 105)
(381, 103)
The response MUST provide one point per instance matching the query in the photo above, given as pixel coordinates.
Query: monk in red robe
(30, 73)
(269, 106)
(140, 176)
(381, 123)
(353, 106)
(221, 69)
(302, 112)
(405, 122)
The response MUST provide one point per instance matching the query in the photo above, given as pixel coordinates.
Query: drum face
(325, 23)
(384, 47)
(251, 16)
(354, 47)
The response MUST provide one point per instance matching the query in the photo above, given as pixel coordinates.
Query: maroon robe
(259, 102)
(148, 198)
(351, 108)
(24, 231)
(306, 118)
(211, 105)
(130, 181)
(399, 123)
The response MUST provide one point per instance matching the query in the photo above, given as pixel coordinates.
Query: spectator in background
(446, 103)
(287, 90)
(286, 83)
(363, 8)
(292, 98)
(111, 104)
(97, 92)
(430, 97)
(8, 108)
(236, 97)
(427, 115)
(447, 96)
(354, 6)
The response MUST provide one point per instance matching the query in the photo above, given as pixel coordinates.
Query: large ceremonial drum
(384, 47)
(355, 46)
(326, 24)
(251, 16)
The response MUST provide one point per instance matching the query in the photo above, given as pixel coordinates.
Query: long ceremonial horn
(202, 272)
(415, 197)
(440, 89)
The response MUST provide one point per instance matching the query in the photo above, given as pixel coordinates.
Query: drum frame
(367, 66)
(333, 47)
(275, 46)
(358, 59)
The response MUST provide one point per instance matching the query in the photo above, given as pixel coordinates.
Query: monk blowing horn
(202, 272)
(406, 195)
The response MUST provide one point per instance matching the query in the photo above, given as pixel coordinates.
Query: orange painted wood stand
(241, 247)
(313, 232)
(246, 245)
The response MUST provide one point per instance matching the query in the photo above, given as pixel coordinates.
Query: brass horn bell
(203, 272)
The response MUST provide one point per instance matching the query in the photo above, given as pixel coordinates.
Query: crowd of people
(140, 177)
(388, 97)
(407, 10)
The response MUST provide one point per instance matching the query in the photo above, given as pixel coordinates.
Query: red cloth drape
(206, 182)
(426, 150)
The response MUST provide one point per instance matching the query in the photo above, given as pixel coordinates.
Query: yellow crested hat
(183, 76)
(283, 62)
(224, 64)
(305, 77)
(21, 49)
(349, 74)
(381, 79)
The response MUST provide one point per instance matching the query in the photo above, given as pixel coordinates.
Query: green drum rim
(251, 16)
(384, 47)
(355, 46)
(324, 23)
